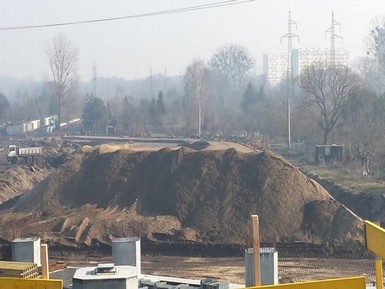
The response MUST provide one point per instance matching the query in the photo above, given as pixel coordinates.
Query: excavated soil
(203, 194)
(16, 179)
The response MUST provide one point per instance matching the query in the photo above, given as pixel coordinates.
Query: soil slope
(15, 180)
(180, 194)
(20, 178)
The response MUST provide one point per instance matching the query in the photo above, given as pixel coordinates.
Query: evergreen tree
(95, 114)
(160, 107)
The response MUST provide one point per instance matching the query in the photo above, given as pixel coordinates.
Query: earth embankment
(181, 194)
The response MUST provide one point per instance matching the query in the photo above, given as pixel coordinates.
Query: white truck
(15, 153)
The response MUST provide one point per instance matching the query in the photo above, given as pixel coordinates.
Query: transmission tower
(333, 37)
(290, 78)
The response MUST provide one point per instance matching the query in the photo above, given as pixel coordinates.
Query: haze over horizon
(133, 47)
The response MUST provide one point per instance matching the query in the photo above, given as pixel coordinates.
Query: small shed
(110, 130)
(328, 153)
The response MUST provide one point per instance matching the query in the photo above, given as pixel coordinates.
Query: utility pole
(333, 37)
(94, 78)
(151, 84)
(289, 76)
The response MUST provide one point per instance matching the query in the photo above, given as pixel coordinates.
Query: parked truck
(29, 155)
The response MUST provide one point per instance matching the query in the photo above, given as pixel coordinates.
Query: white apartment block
(303, 58)
(276, 66)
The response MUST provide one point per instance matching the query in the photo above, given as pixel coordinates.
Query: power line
(150, 14)
(290, 80)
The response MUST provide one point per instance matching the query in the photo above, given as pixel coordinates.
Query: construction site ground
(232, 269)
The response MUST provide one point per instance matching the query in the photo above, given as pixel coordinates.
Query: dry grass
(348, 177)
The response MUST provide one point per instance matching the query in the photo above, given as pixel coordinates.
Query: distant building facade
(48, 124)
(303, 58)
(275, 66)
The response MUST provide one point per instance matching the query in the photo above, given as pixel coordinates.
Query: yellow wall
(343, 283)
(17, 283)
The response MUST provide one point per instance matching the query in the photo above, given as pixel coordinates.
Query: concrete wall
(26, 250)
(123, 277)
(106, 284)
(269, 266)
(126, 251)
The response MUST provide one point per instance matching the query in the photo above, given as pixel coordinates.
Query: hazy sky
(128, 48)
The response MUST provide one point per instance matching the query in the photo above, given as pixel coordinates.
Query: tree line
(223, 97)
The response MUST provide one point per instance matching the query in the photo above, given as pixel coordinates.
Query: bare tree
(4, 106)
(231, 66)
(62, 59)
(365, 117)
(234, 63)
(366, 69)
(375, 41)
(329, 89)
(197, 87)
(375, 44)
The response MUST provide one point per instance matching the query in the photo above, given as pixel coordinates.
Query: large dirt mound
(181, 194)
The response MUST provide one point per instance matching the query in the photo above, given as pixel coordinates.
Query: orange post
(44, 261)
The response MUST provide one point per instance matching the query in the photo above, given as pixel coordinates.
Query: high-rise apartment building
(276, 66)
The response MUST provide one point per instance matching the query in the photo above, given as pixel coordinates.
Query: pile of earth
(20, 178)
(17, 179)
(369, 203)
(180, 194)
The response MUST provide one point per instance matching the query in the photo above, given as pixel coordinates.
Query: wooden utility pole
(257, 262)
(44, 261)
